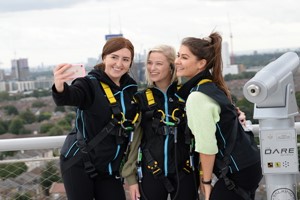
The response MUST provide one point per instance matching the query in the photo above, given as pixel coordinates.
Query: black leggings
(248, 179)
(79, 186)
(153, 188)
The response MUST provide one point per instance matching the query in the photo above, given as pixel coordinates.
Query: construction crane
(231, 42)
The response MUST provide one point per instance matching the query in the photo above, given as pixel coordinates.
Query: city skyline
(48, 33)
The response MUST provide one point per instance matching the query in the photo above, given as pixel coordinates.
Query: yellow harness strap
(204, 81)
(112, 100)
(149, 96)
(109, 94)
(179, 99)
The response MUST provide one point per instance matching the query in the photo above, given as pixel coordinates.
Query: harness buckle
(90, 169)
(224, 171)
(230, 184)
(81, 144)
(156, 171)
(154, 168)
(187, 168)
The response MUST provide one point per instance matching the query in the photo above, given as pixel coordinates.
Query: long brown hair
(209, 48)
(115, 44)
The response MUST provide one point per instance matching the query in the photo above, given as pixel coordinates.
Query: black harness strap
(156, 171)
(224, 166)
(85, 148)
(151, 114)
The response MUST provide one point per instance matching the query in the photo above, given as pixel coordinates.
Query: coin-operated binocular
(273, 93)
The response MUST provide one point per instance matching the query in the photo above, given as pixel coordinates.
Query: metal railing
(41, 169)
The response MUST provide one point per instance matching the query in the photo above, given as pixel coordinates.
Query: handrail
(52, 142)
(17, 144)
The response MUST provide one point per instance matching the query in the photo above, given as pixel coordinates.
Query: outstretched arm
(60, 77)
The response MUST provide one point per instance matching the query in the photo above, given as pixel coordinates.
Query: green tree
(45, 128)
(20, 196)
(16, 126)
(70, 117)
(49, 175)
(56, 130)
(38, 104)
(3, 127)
(60, 109)
(41, 93)
(28, 117)
(7, 153)
(243, 75)
(4, 96)
(44, 116)
(64, 124)
(12, 170)
(11, 110)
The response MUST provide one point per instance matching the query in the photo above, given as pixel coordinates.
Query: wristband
(206, 182)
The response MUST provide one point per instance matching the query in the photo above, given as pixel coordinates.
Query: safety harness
(125, 129)
(158, 117)
(223, 164)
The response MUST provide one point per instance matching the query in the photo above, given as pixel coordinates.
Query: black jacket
(156, 141)
(245, 152)
(94, 112)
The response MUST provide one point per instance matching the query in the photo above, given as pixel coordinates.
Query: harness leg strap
(157, 172)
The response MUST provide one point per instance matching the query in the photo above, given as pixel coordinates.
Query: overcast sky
(55, 31)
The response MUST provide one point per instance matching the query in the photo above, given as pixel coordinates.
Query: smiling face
(158, 69)
(187, 64)
(117, 64)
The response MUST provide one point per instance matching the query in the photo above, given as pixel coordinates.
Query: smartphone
(77, 69)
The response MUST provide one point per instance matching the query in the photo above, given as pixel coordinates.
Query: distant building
(20, 86)
(109, 36)
(20, 69)
(2, 74)
(137, 71)
(225, 55)
(91, 62)
(231, 69)
(228, 68)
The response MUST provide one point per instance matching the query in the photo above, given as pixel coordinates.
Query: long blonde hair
(170, 53)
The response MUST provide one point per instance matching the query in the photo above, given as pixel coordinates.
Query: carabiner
(135, 118)
(176, 119)
(126, 128)
(163, 116)
(169, 123)
(122, 120)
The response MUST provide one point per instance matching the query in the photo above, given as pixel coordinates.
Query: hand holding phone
(77, 70)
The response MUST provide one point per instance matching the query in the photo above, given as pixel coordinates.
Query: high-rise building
(228, 67)
(20, 69)
(109, 36)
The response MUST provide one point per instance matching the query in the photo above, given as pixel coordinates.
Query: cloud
(26, 5)
(53, 31)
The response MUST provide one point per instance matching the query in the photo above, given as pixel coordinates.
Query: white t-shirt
(203, 114)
